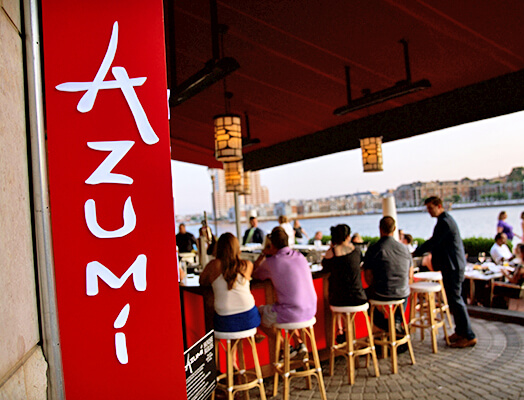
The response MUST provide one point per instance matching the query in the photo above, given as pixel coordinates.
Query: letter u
(95, 229)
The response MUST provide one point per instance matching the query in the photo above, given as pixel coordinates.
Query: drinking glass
(481, 257)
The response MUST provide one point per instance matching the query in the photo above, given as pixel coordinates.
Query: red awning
(291, 78)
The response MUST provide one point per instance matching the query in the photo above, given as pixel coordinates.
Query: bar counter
(198, 309)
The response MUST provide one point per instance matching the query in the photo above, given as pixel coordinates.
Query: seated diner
(342, 261)
(290, 275)
(229, 277)
(500, 251)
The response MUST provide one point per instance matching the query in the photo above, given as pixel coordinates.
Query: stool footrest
(239, 387)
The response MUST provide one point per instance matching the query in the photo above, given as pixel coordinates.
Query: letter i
(120, 337)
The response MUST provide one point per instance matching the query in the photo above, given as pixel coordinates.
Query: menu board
(201, 368)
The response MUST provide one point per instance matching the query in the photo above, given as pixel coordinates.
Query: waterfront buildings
(465, 191)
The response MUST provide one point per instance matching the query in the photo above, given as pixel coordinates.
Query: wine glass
(481, 257)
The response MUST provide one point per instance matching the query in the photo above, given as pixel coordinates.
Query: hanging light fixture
(228, 137)
(228, 128)
(234, 174)
(246, 190)
(372, 154)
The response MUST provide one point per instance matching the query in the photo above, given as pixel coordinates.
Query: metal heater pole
(237, 216)
(214, 205)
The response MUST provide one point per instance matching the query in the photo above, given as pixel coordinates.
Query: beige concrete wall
(22, 365)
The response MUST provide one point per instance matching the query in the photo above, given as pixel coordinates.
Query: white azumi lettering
(120, 337)
(103, 173)
(95, 229)
(95, 270)
(122, 82)
(121, 320)
(121, 348)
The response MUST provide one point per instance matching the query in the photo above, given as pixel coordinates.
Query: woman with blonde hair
(229, 277)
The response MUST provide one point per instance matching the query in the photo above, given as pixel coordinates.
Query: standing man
(448, 256)
(185, 240)
(387, 267)
(253, 234)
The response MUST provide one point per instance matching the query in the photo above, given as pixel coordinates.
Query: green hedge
(474, 245)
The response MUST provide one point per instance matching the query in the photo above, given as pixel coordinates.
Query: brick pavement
(493, 369)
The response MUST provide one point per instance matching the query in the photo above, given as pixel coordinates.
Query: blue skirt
(237, 322)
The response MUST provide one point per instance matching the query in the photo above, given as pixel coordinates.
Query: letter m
(95, 270)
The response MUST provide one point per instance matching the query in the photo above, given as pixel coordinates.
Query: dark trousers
(453, 286)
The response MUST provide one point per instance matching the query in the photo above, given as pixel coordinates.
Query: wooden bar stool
(442, 299)
(288, 369)
(389, 339)
(234, 340)
(423, 302)
(351, 348)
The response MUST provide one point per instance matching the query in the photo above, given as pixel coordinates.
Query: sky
(482, 149)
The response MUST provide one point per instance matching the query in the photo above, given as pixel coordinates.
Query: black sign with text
(201, 369)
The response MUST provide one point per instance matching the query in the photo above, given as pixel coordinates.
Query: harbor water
(472, 222)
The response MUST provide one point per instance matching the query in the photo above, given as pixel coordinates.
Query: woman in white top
(284, 224)
(229, 277)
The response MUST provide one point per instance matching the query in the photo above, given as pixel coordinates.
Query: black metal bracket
(400, 88)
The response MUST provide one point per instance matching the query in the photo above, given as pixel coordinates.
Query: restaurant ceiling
(292, 55)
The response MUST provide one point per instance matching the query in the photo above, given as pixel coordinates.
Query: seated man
(185, 240)
(289, 272)
(254, 234)
(318, 236)
(387, 268)
(500, 251)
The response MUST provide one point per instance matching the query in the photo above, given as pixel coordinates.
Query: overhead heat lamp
(400, 88)
(214, 70)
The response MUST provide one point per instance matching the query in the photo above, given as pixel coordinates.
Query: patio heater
(212, 174)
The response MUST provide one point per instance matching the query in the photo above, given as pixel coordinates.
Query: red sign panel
(111, 199)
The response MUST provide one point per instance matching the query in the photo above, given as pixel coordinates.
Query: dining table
(486, 272)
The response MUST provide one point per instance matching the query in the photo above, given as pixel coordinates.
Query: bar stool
(389, 339)
(423, 301)
(288, 368)
(351, 348)
(234, 339)
(442, 299)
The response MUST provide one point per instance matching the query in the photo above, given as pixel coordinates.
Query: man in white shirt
(500, 251)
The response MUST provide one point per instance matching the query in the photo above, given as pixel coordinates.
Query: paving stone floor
(493, 369)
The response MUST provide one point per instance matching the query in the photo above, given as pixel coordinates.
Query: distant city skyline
(482, 149)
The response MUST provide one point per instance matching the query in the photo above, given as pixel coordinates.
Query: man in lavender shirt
(290, 274)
